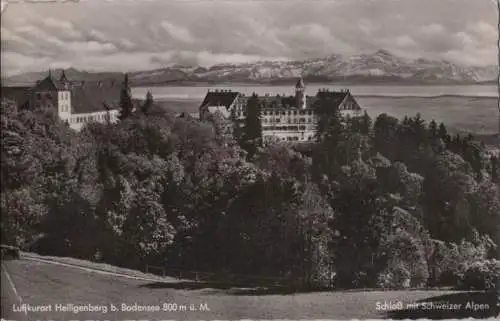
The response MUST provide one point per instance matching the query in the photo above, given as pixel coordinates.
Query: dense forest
(383, 203)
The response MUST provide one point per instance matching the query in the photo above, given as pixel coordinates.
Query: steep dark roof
(49, 83)
(334, 98)
(92, 97)
(334, 95)
(18, 94)
(220, 98)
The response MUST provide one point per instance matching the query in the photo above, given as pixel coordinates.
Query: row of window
(89, 118)
(287, 128)
(288, 120)
(289, 112)
(296, 138)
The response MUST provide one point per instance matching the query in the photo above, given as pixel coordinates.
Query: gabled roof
(49, 83)
(220, 98)
(93, 97)
(334, 98)
(334, 95)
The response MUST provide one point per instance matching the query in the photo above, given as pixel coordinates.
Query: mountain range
(380, 67)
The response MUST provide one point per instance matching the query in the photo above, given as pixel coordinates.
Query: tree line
(382, 203)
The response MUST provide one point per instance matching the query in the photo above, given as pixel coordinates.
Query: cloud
(177, 32)
(405, 41)
(90, 47)
(432, 29)
(148, 34)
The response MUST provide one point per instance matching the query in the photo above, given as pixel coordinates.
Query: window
(38, 96)
(278, 120)
(295, 112)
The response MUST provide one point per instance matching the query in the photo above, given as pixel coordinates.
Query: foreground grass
(45, 283)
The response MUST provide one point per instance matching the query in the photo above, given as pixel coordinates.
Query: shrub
(481, 275)
(451, 261)
(407, 261)
(395, 276)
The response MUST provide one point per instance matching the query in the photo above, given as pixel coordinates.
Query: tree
(148, 103)
(126, 103)
(366, 123)
(433, 130)
(386, 135)
(252, 136)
(494, 169)
(442, 132)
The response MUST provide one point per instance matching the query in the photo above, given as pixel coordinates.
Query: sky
(128, 35)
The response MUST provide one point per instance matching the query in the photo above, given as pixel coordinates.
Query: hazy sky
(145, 34)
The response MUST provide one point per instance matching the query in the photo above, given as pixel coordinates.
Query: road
(42, 284)
(9, 298)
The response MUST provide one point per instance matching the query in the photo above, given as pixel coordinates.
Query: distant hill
(30, 78)
(381, 67)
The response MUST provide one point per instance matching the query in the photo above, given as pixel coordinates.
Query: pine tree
(442, 132)
(126, 99)
(252, 134)
(148, 103)
(433, 130)
(366, 124)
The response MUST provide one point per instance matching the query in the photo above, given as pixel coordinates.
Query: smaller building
(78, 102)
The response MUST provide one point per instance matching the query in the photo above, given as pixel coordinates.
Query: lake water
(461, 108)
(198, 92)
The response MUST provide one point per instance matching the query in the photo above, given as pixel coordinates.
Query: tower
(300, 94)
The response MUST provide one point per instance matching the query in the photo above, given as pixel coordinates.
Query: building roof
(49, 83)
(220, 98)
(334, 98)
(93, 97)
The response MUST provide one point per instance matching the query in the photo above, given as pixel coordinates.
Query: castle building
(290, 118)
(76, 102)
